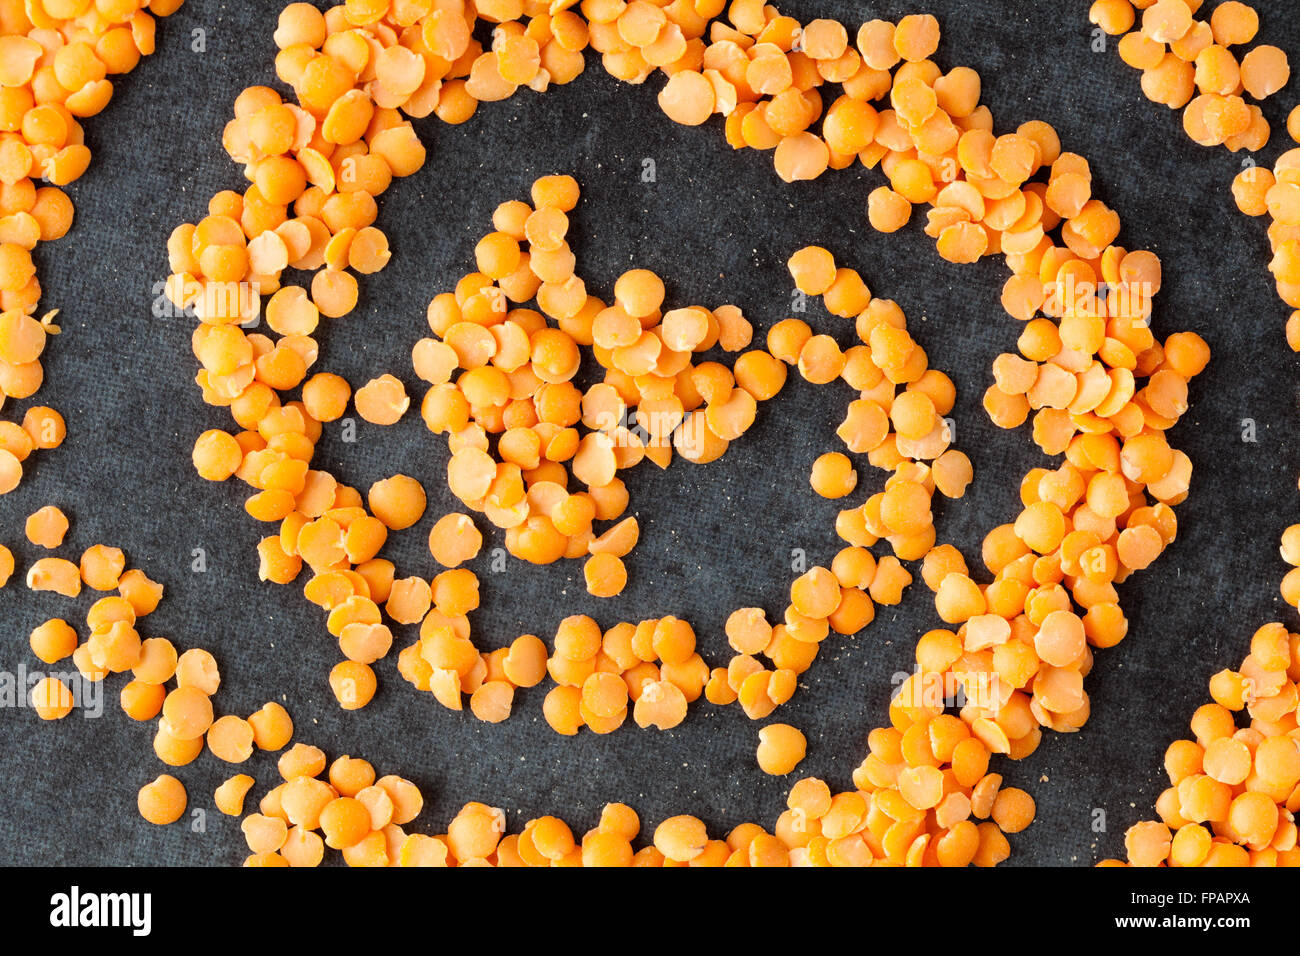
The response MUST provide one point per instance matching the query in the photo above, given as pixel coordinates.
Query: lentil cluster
(56, 60)
(363, 817)
(653, 668)
(113, 644)
(1233, 795)
(1188, 64)
(517, 390)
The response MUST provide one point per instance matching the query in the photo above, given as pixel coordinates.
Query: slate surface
(719, 226)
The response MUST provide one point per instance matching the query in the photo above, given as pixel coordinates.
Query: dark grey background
(719, 226)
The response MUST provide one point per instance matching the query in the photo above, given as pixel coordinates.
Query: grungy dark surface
(718, 225)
